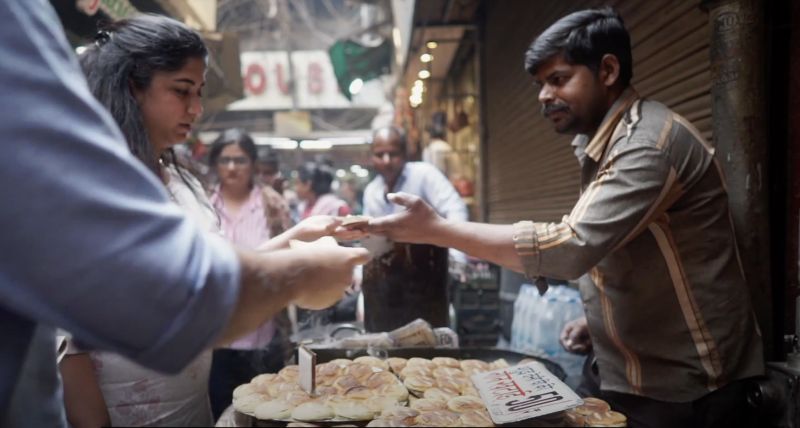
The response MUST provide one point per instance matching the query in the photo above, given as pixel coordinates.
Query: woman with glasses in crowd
(250, 213)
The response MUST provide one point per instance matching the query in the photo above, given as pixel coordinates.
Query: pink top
(327, 204)
(247, 229)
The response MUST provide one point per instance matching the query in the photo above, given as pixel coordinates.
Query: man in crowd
(438, 153)
(397, 174)
(103, 253)
(667, 307)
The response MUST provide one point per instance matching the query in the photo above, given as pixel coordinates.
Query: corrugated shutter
(532, 172)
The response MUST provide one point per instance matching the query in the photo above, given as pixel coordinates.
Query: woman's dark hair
(236, 136)
(320, 176)
(126, 54)
(583, 38)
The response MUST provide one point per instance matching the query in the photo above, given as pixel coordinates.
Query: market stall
(375, 379)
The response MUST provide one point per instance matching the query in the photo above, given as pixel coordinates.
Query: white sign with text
(267, 80)
(522, 392)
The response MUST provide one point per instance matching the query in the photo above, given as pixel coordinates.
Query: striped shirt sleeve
(630, 190)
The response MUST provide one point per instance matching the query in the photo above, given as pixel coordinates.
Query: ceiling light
(355, 86)
(431, 45)
(426, 57)
(396, 38)
(315, 145)
(276, 142)
(424, 74)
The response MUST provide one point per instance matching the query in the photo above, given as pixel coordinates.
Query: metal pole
(740, 137)
(793, 223)
(286, 29)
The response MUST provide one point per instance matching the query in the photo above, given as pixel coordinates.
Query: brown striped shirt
(652, 241)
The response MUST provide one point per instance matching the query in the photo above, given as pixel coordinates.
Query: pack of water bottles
(538, 321)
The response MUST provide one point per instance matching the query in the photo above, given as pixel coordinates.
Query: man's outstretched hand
(417, 224)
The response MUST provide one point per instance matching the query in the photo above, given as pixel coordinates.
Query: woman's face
(172, 103)
(303, 189)
(234, 168)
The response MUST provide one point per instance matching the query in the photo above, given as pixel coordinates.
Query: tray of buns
(407, 387)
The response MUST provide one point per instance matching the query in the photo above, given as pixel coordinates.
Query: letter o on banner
(255, 79)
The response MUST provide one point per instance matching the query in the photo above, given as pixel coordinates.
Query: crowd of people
(173, 295)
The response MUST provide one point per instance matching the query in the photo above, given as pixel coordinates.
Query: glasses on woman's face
(238, 161)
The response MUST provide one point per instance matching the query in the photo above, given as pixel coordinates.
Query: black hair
(236, 136)
(126, 54)
(268, 156)
(319, 174)
(583, 38)
(438, 127)
(397, 132)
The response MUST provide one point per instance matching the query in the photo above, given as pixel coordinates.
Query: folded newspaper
(417, 333)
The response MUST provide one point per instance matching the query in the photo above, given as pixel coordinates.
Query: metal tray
(483, 354)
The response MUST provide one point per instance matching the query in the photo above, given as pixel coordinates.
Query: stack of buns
(441, 377)
(394, 392)
(345, 390)
(594, 412)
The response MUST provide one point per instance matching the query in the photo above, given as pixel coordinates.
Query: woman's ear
(609, 69)
(137, 94)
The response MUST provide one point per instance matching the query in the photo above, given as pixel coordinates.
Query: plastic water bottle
(518, 325)
(534, 312)
(549, 325)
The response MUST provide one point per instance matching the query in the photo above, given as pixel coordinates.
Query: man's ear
(609, 70)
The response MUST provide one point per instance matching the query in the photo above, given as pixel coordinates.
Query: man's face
(388, 156)
(572, 96)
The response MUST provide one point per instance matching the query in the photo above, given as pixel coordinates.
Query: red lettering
(315, 82)
(255, 79)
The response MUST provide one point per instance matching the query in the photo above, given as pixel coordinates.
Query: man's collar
(397, 182)
(599, 141)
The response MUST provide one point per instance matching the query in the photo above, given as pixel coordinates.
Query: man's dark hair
(583, 38)
(269, 157)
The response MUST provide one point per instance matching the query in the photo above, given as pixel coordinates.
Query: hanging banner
(116, 9)
(268, 84)
(265, 77)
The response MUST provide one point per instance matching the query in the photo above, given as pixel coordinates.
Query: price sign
(522, 392)
(307, 360)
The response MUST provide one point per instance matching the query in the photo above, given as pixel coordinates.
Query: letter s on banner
(316, 82)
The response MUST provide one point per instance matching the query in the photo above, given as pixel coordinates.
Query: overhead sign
(266, 76)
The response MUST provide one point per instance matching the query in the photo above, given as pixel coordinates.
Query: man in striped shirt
(650, 238)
